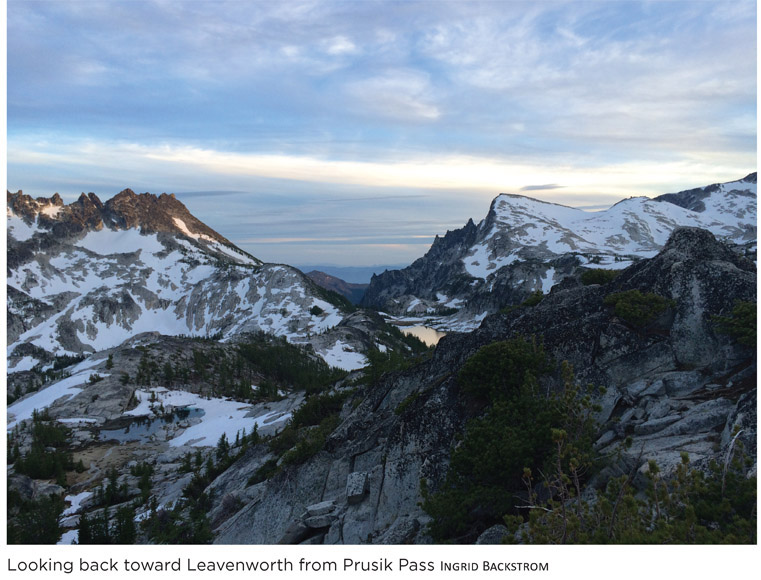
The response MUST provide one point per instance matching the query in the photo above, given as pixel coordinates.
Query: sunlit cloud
(482, 175)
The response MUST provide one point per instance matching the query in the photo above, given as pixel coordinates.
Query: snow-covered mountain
(524, 245)
(87, 276)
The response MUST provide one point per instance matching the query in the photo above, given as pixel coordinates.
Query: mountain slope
(675, 384)
(353, 292)
(87, 276)
(524, 245)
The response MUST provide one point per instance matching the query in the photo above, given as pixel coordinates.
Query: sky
(351, 133)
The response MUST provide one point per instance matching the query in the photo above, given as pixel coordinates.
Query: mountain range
(87, 276)
(524, 245)
(169, 387)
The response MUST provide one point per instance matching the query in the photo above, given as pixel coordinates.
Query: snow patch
(25, 364)
(51, 210)
(19, 229)
(42, 399)
(343, 356)
(548, 281)
(68, 537)
(76, 502)
(184, 228)
(221, 416)
(107, 242)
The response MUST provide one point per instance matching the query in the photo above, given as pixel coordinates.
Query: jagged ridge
(524, 245)
(89, 275)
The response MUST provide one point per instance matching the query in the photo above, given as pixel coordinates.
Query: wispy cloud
(396, 94)
(340, 100)
(541, 187)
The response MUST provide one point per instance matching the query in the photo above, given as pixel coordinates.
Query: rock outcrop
(673, 384)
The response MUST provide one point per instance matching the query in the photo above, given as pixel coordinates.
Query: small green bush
(405, 404)
(500, 368)
(265, 471)
(534, 299)
(691, 506)
(598, 276)
(636, 308)
(316, 408)
(741, 324)
(311, 442)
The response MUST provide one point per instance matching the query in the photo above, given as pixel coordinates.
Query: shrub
(741, 324)
(317, 408)
(598, 276)
(267, 470)
(535, 298)
(406, 403)
(516, 431)
(311, 441)
(689, 507)
(501, 368)
(636, 308)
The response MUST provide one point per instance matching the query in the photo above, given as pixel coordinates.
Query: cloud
(312, 100)
(341, 45)
(541, 187)
(396, 94)
(187, 166)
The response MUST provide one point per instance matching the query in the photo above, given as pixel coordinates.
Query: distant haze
(353, 275)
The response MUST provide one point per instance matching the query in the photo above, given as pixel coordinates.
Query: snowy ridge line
(636, 227)
(112, 284)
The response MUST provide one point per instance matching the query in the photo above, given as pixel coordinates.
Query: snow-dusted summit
(88, 276)
(524, 245)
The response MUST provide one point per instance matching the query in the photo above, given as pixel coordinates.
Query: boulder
(356, 487)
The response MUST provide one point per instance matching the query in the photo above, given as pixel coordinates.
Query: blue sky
(351, 133)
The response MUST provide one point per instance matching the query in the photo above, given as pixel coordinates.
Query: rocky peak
(695, 199)
(86, 212)
(156, 213)
(126, 210)
(27, 207)
(697, 243)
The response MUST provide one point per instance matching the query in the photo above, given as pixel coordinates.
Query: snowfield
(220, 416)
(343, 356)
(635, 227)
(42, 399)
(114, 284)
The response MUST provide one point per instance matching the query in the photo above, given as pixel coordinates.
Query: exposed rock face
(441, 269)
(674, 385)
(695, 199)
(126, 210)
(524, 245)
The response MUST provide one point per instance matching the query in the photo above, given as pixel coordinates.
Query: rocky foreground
(676, 384)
